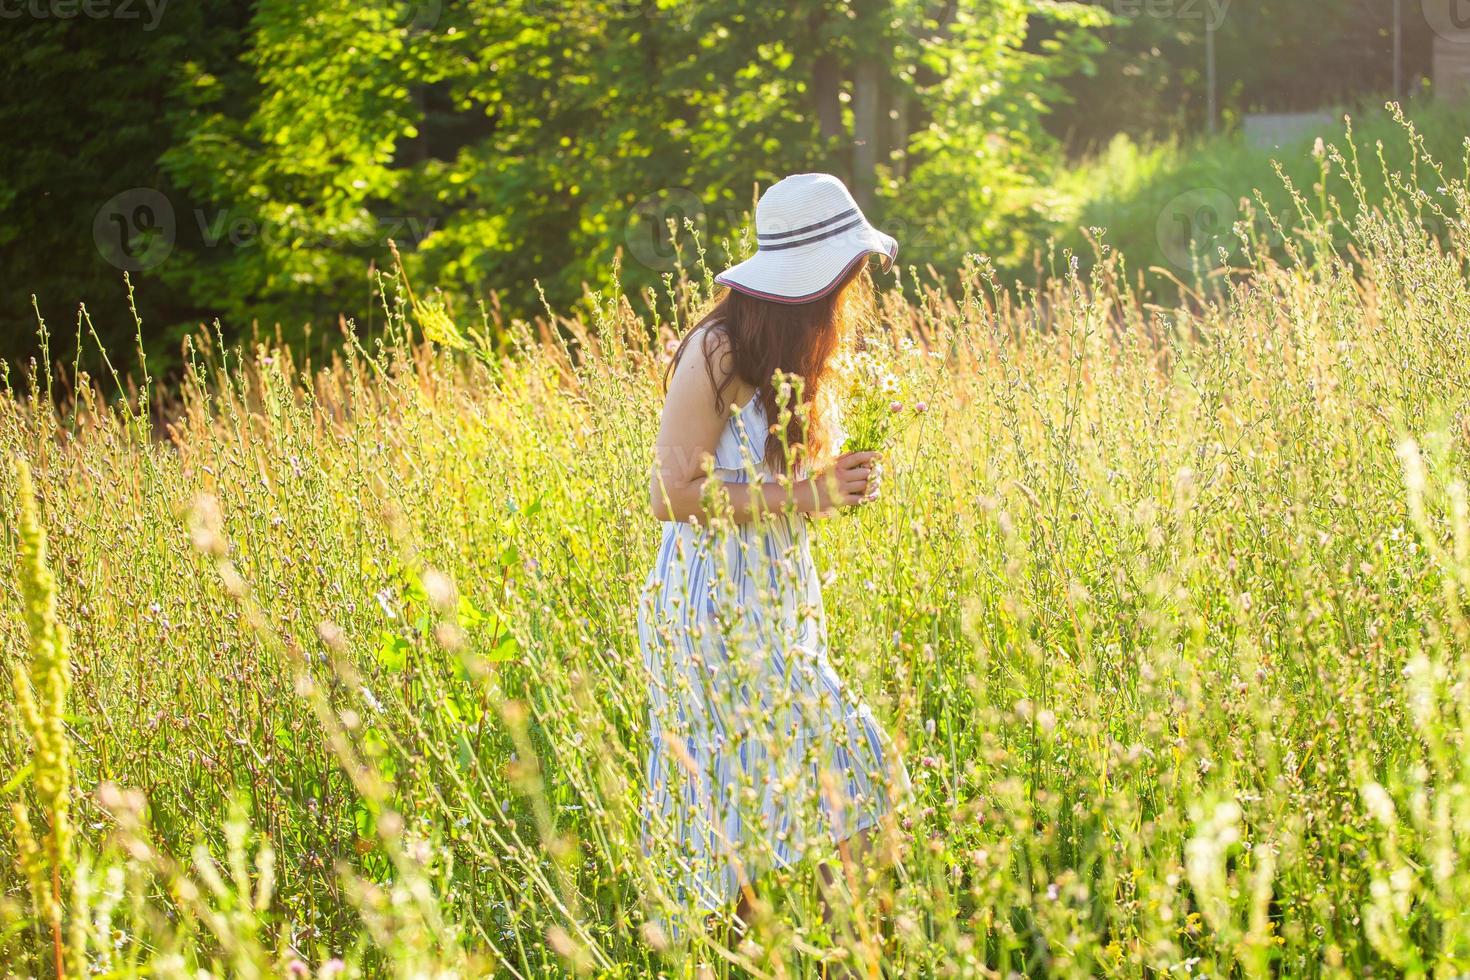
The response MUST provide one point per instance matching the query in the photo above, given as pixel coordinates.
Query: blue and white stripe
(754, 742)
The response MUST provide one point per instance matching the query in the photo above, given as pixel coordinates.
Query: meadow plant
(1164, 607)
(44, 854)
(879, 395)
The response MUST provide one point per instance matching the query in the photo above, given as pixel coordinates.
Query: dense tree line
(248, 161)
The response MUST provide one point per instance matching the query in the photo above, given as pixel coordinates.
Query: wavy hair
(766, 340)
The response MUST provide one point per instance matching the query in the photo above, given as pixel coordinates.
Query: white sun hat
(809, 232)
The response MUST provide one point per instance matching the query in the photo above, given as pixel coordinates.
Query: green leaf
(505, 649)
(393, 651)
(465, 752)
(450, 709)
(468, 614)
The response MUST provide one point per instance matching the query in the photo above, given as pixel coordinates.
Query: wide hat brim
(808, 272)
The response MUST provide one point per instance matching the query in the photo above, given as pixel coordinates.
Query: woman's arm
(688, 433)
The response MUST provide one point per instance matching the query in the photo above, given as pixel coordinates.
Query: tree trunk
(865, 116)
(826, 92)
(899, 141)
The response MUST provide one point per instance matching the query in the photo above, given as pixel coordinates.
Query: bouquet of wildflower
(879, 396)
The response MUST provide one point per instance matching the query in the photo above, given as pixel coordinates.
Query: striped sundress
(754, 742)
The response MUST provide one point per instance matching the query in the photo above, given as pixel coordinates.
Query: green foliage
(44, 852)
(1173, 206)
(290, 163)
(86, 99)
(980, 172)
(505, 142)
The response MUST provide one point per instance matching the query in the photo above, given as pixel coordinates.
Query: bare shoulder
(708, 357)
(711, 344)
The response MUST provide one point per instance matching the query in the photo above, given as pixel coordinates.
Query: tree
(86, 101)
(503, 143)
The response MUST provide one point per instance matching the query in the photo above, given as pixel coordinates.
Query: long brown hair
(764, 338)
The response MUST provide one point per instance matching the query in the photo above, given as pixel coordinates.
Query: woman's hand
(848, 482)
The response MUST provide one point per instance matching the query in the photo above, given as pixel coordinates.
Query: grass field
(1165, 607)
(1172, 204)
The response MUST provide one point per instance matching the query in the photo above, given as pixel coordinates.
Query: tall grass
(1166, 609)
(1169, 206)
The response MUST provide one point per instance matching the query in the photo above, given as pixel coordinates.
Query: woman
(755, 743)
